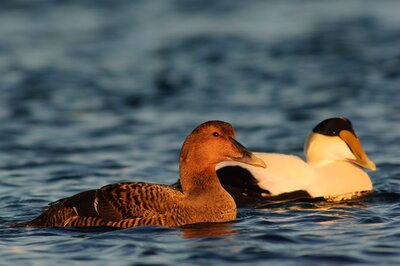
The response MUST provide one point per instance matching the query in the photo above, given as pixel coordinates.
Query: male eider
(201, 200)
(333, 169)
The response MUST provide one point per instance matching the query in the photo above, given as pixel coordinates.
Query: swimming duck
(333, 169)
(202, 198)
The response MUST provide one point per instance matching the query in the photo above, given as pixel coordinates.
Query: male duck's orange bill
(355, 146)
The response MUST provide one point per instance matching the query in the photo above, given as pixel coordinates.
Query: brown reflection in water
(207, 230)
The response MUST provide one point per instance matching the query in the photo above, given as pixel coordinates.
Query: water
(97, 92)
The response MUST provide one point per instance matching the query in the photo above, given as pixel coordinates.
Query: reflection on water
(97, 92)
(207, 230)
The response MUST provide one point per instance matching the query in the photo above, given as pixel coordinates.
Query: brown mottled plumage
(201, 200)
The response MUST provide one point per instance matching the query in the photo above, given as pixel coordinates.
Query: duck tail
(55, 215)
(40, 221)
(18, 224)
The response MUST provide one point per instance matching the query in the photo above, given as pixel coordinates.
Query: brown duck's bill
(248, 157)
(355, 146)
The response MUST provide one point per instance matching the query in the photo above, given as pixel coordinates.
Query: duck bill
(247, 156)
(354, 144)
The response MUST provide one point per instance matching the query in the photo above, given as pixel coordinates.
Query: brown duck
(202, 198)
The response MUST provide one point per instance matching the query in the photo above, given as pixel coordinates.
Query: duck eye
(215, 134)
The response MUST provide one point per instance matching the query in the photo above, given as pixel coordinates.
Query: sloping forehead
(333, 126)
(219, 126)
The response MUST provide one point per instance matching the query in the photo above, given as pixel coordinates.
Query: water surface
(97, 92)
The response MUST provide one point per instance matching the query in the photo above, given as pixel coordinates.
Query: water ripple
(98, 92)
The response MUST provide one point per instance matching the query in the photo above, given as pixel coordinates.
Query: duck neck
(197, 181)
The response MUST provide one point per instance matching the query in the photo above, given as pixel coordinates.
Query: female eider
(201, 200)
(332, 171)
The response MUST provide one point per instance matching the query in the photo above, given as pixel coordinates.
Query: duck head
(213, 142)
(334, 139)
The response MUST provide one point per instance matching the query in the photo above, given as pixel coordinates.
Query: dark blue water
(97, 92)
